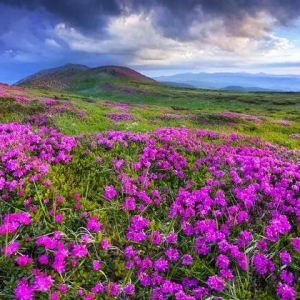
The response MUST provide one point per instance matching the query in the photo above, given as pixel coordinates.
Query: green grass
(196, 108)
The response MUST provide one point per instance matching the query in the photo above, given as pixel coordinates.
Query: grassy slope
(196, 108)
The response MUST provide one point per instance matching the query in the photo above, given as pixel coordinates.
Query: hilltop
(86, 80)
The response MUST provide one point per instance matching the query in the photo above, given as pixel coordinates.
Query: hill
(83, 79)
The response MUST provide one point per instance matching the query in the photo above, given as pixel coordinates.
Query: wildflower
(109, 192)
(287, 277)
(23, 260)
(96, 265)
(156, 238)
(105, 245)
(11, 248)
(222, 261)
(129, 252)
(285, 257)
(129, 289)
(244, 239)
(286, 292)
(42, 282)
(79, 251)
(296, 244)
(187, 259)
(59, 218)
(262, 264)
(63, 288)
(24, 291)
(172, 254)
(54, 296)
(161, 265)
(113, 289)
(98, 288)
(216, 283)
(171, 238)
(129, 204)
(93, 224)
(43, 259)
(226, 274)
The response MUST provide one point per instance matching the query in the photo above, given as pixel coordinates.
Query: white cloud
(210, 43)
(52, 43)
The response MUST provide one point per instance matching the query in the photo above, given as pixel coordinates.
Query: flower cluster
(117, 117)
(171, 214)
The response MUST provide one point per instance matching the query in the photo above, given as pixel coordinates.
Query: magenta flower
(93, 224)
(129, 204)
(43, 259)
(96, 265)
(296, 244)
(287, 277)
(59, 218)
(105, 245)
(42, 282)
(187, 259)
(286, 292)
(222, 261)
(285, 257)
(23, 260)
(216, 283)
(161, 265)
(79, 251)
(262, 264)
(172, 254)
(24, 291)
(11, 248)
(109, 192)
(129, 289)
(113, 289)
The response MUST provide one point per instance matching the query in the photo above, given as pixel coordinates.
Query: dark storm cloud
(174, 17)
(82, 14)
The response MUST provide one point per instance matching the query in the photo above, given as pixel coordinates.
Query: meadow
(163, 194)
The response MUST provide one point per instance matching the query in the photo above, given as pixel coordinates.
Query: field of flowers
(169, 213)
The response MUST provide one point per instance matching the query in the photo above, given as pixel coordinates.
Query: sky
(156, 37)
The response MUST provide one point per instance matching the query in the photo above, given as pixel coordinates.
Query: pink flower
(42, 282)
(11, 248)
(187, 259)
(105, 245)
(79, 251)
(172, 254)
(129, 289)
(216, 283)
(43, 259)
(296, 244)
(109, 192)
(59, 218)
(23, 260)
(96, 265)
(24, 291)
(161, 265)
(93, 224)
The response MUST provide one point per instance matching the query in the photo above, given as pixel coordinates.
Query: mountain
(249, 82)
(86, 80)
(245, 89)
(178, 84)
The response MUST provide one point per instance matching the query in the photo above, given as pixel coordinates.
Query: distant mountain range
(86, 80)
(236, 81)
